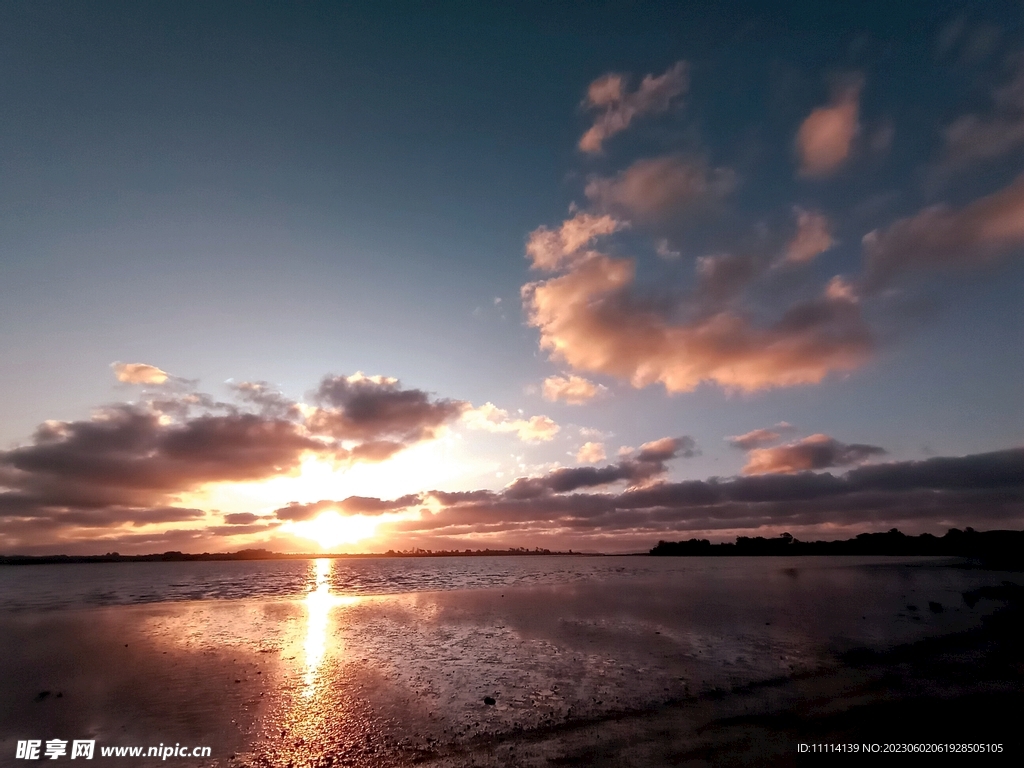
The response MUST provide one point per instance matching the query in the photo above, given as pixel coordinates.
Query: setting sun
(329, 529)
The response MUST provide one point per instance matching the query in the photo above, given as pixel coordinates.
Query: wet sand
(582, 674)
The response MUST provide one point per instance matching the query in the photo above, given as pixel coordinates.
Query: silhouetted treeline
(261, 554)
(989, 545)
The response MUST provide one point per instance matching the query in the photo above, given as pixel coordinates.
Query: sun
(329, 529)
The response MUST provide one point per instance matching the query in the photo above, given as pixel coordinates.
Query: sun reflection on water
(319, 603)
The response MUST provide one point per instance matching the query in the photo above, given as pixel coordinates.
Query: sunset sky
(355, 277)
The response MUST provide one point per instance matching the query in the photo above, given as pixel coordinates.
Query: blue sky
(279, 193)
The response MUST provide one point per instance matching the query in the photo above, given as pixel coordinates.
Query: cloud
(973, 139)
(575, 390)
(824, 139)
(637, 469)
(130, 463)
(243, 518)
(269, 401)
(491, 418)
(814, 452)
(139, 373)
(618, 107)
(759, 438)
(984, 231)
(813, 236)
(554, 249)
(589, 319)
(353, 505)
(661, 188)
(664, 251)
(373, 409)
(723, 276)
(590, 453)
(924, 495)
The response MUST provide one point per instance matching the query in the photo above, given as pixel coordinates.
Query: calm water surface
(43, 587)
(297, 660)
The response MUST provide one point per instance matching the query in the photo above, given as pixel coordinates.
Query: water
(301, 658)
(49, 587)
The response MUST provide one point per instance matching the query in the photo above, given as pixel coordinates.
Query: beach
(622, 662)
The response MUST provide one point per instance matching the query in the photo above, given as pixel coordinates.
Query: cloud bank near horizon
(112, 482)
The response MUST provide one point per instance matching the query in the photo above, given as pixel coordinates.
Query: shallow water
(44, 587)
(282, 660)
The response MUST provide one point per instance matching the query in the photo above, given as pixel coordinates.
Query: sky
(357, 277)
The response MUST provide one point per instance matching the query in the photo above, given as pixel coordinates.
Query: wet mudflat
(731, 662)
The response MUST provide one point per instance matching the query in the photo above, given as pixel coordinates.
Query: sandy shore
(616, 675)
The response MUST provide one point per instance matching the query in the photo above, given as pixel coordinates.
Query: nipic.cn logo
(53, 749)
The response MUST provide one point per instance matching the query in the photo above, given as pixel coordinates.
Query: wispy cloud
(758, 438)
(987, 229)
(977, 138)
(491, 418)
(656, 189)
(618, 106)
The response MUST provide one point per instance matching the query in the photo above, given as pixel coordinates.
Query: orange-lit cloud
(657, 189)
(813, 236)
(983, 231)
(758, 438)
(589, 319)
(553, 249)
(491, 418)
(590, 453)
(814, 452)
(139, 373)
(618, 106)
(571, 389)
(825, 138)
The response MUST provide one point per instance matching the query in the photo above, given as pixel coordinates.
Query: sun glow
(329, 529)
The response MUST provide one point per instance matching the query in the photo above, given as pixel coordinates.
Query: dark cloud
(639, 468)
(129, 450)
(814, 452)
(353, 505)
(974, 139)
(129, 462)
(980, 489)
(242, 518)
(372, 409)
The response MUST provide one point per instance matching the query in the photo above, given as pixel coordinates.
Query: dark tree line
(990, 545)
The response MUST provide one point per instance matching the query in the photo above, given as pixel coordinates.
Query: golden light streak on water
(319, 603)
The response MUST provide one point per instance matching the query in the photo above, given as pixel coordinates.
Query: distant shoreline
(997, 547)
(264, 554)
